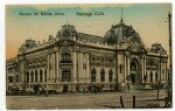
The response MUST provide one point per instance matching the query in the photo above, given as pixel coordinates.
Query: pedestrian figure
(36, 89)
(95, 89)
(121, 102)
(40, 90)
(83, 90)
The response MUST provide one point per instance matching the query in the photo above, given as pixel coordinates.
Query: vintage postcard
(94, 56)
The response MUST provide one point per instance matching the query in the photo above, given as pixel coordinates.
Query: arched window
(66, 56)
(41, 76)
(84, 61)
(110, 75)
(133, 66)
(45, 75)
(156, 77)
(10, 79)
(145, 77)
(16, 78)
(102, 79)
(32, 77)
(93, 58)
(93, 75)
(27, 77)
(98, 57)
(36, 76)
(102, 59)
(151, 76)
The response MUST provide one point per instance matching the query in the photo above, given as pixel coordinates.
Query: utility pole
(170, 58)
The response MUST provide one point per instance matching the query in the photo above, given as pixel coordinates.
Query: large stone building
(75, 61)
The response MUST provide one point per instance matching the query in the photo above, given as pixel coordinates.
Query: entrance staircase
(133, 87)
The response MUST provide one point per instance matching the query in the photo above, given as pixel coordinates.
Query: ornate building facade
(75, 61)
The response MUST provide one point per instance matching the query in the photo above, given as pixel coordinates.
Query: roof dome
(67, 31)
(29, 44)
(121, 32)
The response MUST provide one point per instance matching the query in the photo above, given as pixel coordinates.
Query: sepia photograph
(88, 56)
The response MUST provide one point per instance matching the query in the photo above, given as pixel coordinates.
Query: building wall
(47, 63)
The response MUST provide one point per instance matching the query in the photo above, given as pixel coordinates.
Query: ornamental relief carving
(67, 43)
(102, 60)
(39, 61)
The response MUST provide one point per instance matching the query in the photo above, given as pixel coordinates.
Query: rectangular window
(93, 75)
(66, 75)
(120, 68)
(45, 75)
(102, 77)
(36, 77)
(151, 77)
(93, 78)
(32, 77)
(10, 79)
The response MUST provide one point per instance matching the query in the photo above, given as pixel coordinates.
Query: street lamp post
(170, 57)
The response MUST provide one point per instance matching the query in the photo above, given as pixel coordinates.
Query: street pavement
(87, 100)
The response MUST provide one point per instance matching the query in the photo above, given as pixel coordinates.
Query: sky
(149, 20)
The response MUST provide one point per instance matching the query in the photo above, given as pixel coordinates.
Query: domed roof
(158, 49)
(67, 31)
(29, 44)
(121, 32)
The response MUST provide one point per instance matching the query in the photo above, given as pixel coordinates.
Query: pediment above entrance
(132, 46)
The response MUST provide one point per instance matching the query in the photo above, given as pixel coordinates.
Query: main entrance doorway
(134, 74)
(66, 75)
(133, 78)
(65, 88)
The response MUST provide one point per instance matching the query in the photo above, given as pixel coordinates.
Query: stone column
(43, 81)
(38, 75)
(84, 67)
(115, 69)
(57, 66)
(29, 72)
(145, 69)
(107, 75)
(166, 79)
(148, 76)
(48, 72)
(142, 72)
(33, 76)
(160, 71)
(98, 74)
(79, 66)
(22, 69)
(128, 73)
(74, 73)
(87, 68)
(59, 69)
(125, 69)
(7, 81)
